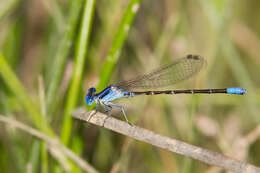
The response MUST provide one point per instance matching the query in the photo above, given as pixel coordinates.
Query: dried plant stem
(204, 155)
(56, 148)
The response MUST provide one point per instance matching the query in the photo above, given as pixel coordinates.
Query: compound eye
(91, 92)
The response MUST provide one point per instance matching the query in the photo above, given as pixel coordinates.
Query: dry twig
(55, 147)
(204, 155)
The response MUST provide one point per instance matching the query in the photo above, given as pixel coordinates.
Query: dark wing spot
(195, 57)
(189, 56)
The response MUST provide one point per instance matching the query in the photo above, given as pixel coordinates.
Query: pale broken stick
(173, 145)
(54, 145)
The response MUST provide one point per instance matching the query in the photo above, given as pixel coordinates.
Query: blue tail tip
(240, 91)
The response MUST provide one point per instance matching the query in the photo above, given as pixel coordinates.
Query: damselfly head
(90, 96)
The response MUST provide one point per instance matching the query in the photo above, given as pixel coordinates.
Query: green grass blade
(54, 9)
(7, 6)
(44, 151)
(16, 87)
(118, 43)
(241, 74)
(34, 158)
(62, 54)
(108, 67)
(80, 56)
(44, 158)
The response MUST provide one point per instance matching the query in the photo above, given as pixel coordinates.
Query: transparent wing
(170, 74)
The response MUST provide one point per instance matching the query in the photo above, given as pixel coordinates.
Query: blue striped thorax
(110, 93)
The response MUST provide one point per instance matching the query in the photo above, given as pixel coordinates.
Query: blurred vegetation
(51, 52)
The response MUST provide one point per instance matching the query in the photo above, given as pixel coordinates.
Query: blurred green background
(52, 51)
